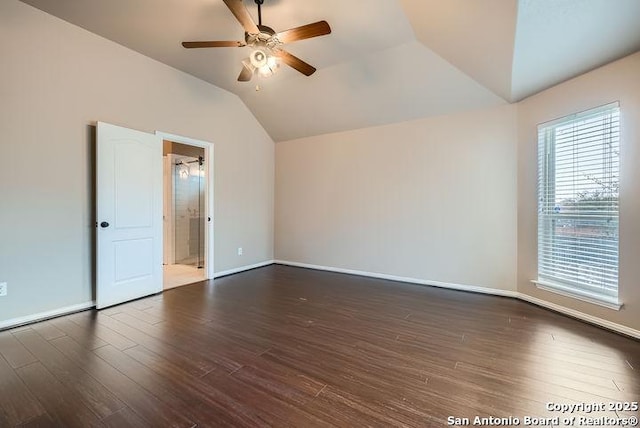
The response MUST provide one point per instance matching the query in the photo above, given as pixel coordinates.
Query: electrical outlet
(239, 251)
(3, 289)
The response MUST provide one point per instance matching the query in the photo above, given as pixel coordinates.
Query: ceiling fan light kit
(265, 43)
(270, 68)
(266, 65)
(258, 58)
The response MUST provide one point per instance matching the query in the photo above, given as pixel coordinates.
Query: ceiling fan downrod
(259, 3)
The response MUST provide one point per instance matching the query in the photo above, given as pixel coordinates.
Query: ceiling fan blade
(242, 15)
(213, 44)
(308, 31)
(295, 62)
(246, 74)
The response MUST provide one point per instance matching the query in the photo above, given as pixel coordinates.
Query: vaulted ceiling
(385, 61)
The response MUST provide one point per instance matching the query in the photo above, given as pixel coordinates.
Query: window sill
(585, 296)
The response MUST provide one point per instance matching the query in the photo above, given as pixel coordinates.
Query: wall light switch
(3, 289)
(239, 251)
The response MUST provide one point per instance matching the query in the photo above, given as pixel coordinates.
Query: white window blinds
(578, 181)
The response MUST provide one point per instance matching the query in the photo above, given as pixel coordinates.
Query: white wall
(431, 199)
(619, 81)
(56, 80)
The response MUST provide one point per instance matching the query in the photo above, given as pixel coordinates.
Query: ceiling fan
(265, 43)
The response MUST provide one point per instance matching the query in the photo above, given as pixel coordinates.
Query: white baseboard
(242, 269)
(17, 322)
(628, 331)
(448, 285)
(619, 328)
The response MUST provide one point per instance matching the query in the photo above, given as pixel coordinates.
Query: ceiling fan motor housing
(266, 37)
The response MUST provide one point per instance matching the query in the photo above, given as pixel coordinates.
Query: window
(578, 183)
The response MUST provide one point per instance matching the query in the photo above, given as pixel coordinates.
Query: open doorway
(185, 214)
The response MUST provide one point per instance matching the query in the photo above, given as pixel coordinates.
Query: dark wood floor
(282, 346)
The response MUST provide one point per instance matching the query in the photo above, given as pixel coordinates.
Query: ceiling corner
(476, 37)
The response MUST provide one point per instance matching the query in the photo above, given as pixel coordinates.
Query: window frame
(546, 169)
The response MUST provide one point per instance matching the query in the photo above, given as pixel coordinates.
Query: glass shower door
(189, 212)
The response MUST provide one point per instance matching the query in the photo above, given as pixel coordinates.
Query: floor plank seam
(319, 392)
(27, 365)
(265, 351)
(205, 373)
(235, 371)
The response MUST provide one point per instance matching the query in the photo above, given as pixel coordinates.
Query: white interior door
(129, 215)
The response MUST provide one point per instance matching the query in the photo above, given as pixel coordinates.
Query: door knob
(104, 224)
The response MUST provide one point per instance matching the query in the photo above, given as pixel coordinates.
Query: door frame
(208, 147)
